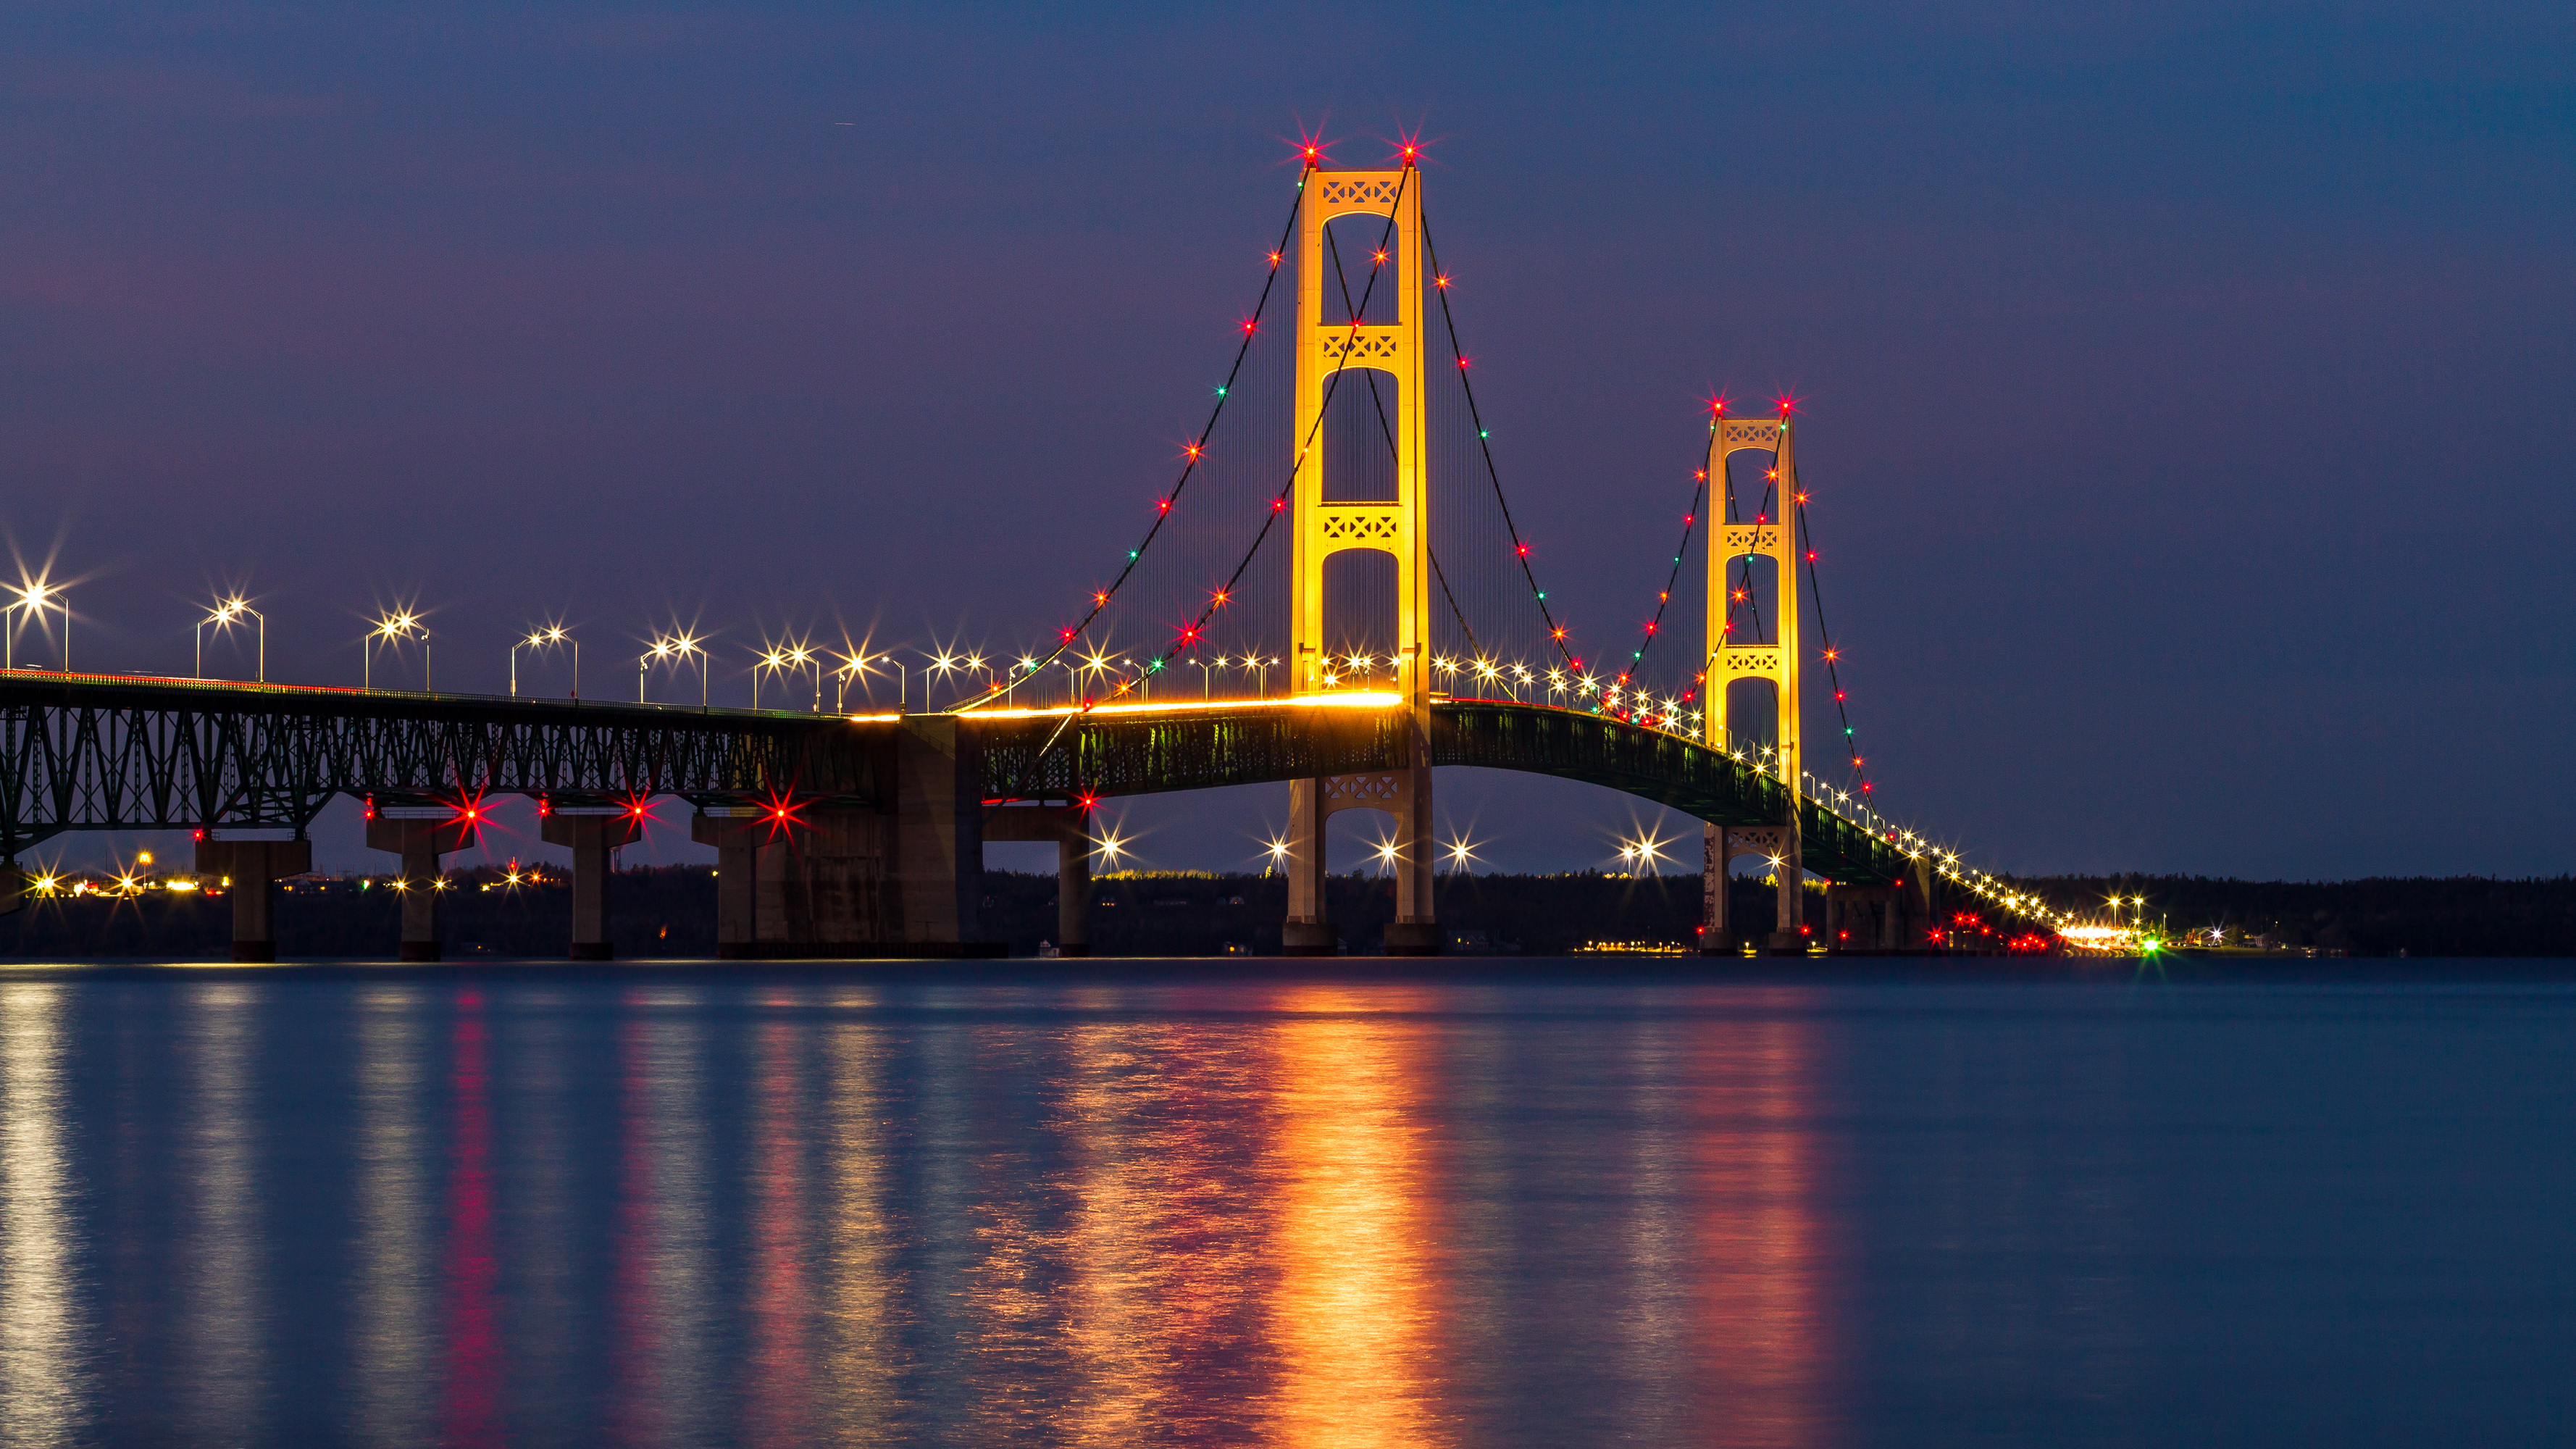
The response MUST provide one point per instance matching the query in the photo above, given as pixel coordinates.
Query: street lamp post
(669, 647)
(547, 638)
(35, 599)
(223, 616)
(781, 660)
(393, 629)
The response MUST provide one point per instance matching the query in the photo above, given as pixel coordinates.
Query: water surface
(695, 1208)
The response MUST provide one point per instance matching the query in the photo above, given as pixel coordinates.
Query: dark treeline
(2421, 915)
(671, 911)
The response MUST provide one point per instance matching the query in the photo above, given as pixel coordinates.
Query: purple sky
(2186, 391)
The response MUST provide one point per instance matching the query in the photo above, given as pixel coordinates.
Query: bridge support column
(420, 842)
(1776, 845)
(254, 867)
(591, 838)
(1861, 919)
(1069, 826)
(1402, 793)
(1308, 931)
(814, 879)
(939, 839)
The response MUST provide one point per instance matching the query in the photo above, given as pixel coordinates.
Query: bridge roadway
(95, 752)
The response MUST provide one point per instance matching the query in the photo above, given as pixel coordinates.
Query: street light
(547, 638)
(782, 658)
(35, 598)
(678, 647)
(225, 614)
(392, 629)
(858, 666)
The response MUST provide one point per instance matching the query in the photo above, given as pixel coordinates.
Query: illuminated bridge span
(1339, 521)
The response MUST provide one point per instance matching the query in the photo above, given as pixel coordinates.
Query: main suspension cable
(1485, 444)
(1189, 468)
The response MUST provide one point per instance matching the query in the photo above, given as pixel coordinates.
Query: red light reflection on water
(1763, 1354)
(780, 1371)
(470, 1408)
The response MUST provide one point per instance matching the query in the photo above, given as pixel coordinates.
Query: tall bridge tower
(1401, 528)
(1773, 534)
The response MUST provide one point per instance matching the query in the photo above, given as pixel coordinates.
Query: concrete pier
(591, 838)
(1069, 826)
(253, 869)
(420, 842)
(820, 879)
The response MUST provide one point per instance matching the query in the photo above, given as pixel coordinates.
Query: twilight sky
(2186, 389)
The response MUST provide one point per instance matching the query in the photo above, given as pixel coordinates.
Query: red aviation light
(1087, 799)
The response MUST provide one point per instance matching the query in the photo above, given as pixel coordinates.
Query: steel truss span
(1146, 753)
(117, 754)
(120, 754)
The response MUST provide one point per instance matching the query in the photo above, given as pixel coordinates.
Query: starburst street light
(1388, 854)
(1461, 851)
(675, 650)
(788, 658)
(34, 597)
(1278, 851)
(549, 637)
(1110, 846)
(222, 615)
(1645, 851)
(858, 664)
(391, 630)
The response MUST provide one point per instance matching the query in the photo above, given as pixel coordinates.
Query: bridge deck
(101, 752)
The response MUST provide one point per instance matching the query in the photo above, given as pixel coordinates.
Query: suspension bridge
(1339, 520)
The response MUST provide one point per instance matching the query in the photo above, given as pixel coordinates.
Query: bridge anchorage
(862, 835)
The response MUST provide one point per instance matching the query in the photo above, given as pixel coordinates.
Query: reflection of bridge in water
(863, 834)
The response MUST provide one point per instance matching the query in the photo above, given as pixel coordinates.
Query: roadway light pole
(223, 616)
(393, 629)
(670, 647)
(35, 599)
(546, 638)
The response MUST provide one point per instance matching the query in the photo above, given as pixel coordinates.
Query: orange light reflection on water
(1355, 1317)
(1763, 1348)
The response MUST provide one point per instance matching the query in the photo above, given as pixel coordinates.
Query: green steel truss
(100, 753)
(97, 753)
(1106, 755)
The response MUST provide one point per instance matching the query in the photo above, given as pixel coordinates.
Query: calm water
(687, 1210)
